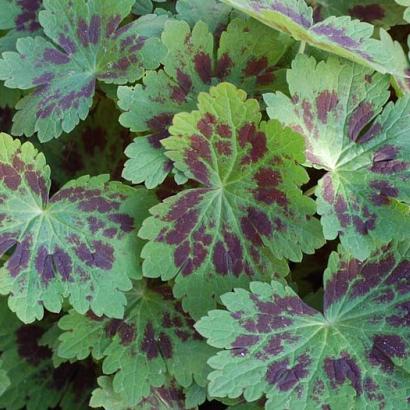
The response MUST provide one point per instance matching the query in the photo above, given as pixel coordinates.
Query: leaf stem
(302, 47)
(311, 191)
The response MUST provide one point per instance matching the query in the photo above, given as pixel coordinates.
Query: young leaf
(85, 44)
(168, 397)
(81, 243)
(95, 147)
(248, 55)
(248, 210)
(343, 36)
(363, 196)
(20, 18)
(144, 349)
(354, 356)
(384, 13)
(34, 382)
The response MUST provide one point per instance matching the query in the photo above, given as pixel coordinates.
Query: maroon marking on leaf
(384, 161)
(336, 35)
(341, 211)
(67, 44)
(326, 102)
(255, 225)
(180, 92)
(328, 190)
(112, 24)
(125, 221)
(54, 56)
(373, 131)
(10, 176)
(359, 118)
(384, 192)
(255, 66)
(159, 125)
(227, 256)
(242, 343)
(21, 257)
(224, 130)
(94, 30)
(37, 184)
(165, 345)
(27, 339)
(62, 263)
(95, 224)
(203, 66)
(400, 277)
(119, 327)
(95, 203)
(403, 318)
(198, 153)
(224, 148)
(44, 78)
(372, 391)
(276, 343)
(256, 140)
(44, 265)
(364, 226)
(223, 67)
(307, 114)
(102, 257)
(7, 241)
(27, 19)
(149, 344)
(340, 370)
(286, 378)
(367, 13)
(384, 348)
(267, 181)
(206, 124)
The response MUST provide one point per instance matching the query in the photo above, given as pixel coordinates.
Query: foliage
(176, 176)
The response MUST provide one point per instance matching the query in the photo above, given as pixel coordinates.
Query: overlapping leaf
(168, 397)
(354, 356)
(34, 382)
(81, 243)
(20, 18)
(364, 194)
(95, 147)
(248, 210)
(248, 55)
(384, 13)
(86, 44)
(343, 36)
(405, 3)
(153, 342)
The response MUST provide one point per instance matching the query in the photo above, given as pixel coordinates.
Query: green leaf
(353, 356)
(405, 3)
(95, 147)
(20, 18)
(63, 70)
(154, 341)
(248, 55)
(168, 397)
(383, 13)
(212, 12)
(343, 36)
(35, 384)
(81, 243)
(248, 211)
(364, 196)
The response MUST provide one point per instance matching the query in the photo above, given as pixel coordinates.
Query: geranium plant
(204, 204)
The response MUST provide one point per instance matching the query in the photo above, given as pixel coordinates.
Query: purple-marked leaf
(144, 349)
(364, 196)
(95, 147)
(382, 13)
(353, 356)
(81, 243)
(85, 44)
(247, 212)
(169, 397)
(35, 382)
(20, 19)
(248, 55)
(343, 36)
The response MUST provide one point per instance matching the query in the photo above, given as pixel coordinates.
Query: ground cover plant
(204, 204)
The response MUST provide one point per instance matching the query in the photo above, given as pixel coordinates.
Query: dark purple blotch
(343, 369)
